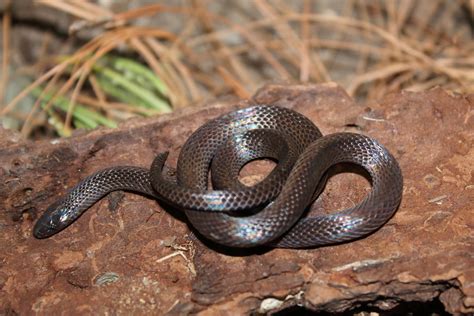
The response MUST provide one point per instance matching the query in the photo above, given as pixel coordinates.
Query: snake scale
(272, 212)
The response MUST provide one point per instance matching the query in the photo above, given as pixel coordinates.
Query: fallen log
(128, 255)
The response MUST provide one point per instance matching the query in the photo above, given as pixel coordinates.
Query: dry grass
(371, 48)
(6, 23)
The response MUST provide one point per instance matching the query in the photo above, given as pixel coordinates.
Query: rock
(423, 254)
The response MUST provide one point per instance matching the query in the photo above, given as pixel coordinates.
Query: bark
(128, 254)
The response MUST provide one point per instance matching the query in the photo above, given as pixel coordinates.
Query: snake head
(54, 219)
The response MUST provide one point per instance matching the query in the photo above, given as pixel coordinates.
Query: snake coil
(227, 213)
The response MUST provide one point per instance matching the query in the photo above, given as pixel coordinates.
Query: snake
(205, 184)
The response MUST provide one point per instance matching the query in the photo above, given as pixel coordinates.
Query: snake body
(268, 213)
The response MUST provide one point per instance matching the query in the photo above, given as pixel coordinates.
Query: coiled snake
(268, 213)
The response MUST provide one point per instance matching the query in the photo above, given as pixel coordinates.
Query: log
(127, 254)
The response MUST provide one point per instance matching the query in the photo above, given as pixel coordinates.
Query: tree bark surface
(128, 254)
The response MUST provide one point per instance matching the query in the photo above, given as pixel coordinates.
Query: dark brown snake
(228, 214)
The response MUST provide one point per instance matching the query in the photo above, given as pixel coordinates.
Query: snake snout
(52, 221)
(44, 227)
(42, 230)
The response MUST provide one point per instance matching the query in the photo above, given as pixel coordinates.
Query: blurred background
(68, 65)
